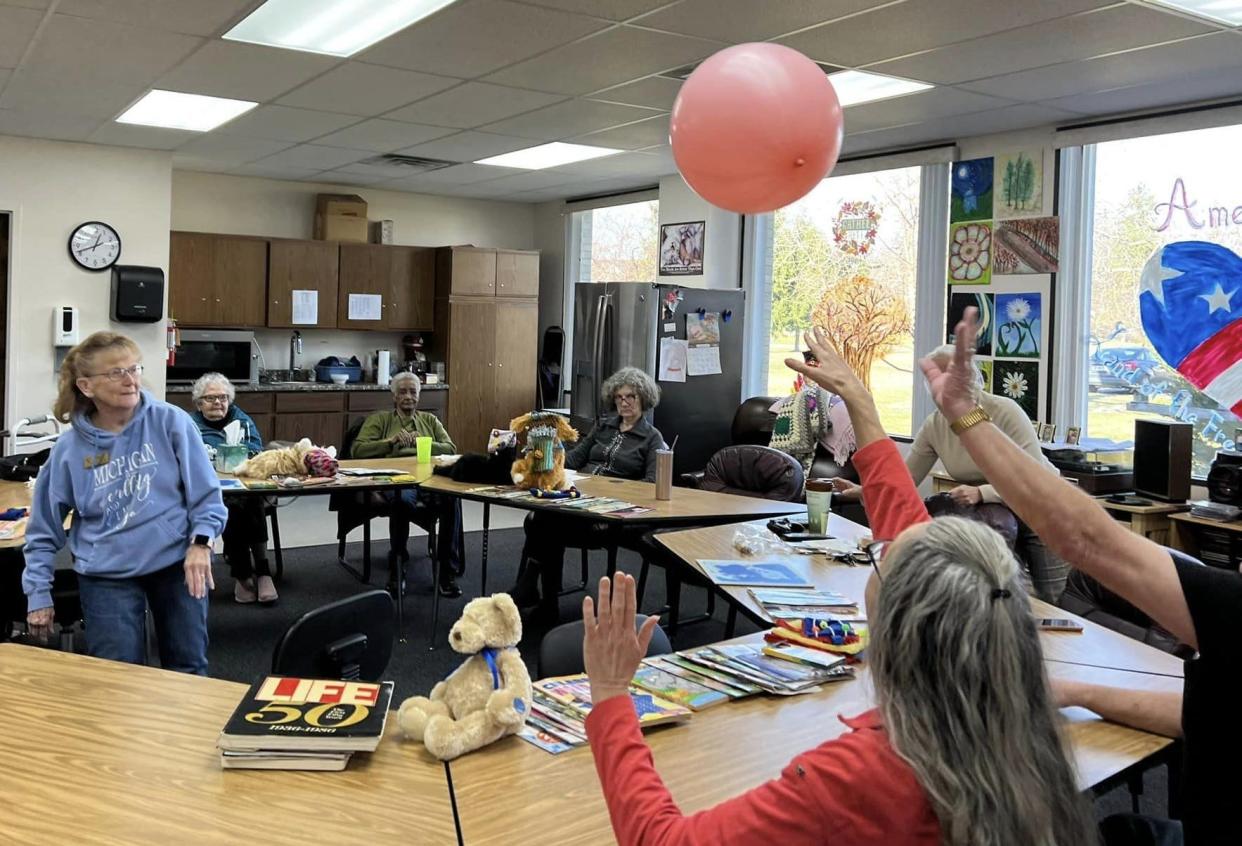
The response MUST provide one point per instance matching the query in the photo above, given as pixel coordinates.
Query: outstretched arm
(1159, 712)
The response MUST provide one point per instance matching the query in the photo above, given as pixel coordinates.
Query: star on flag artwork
(1190, 299)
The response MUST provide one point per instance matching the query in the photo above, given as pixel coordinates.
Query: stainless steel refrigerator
(619, 324)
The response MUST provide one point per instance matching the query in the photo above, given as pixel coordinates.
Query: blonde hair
(70, 400)
(943, 356)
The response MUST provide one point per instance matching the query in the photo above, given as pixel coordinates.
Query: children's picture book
(687, 661)
(544, 740)
(808, 598)
(804, 655)
(231, 485)
(283, 714)
(665, 685)
(575, 692)
(669, 665)
(752, 573)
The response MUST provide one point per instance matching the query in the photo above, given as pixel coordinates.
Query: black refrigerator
(619, 324)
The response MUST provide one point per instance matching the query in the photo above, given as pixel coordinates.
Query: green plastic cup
(423, 446)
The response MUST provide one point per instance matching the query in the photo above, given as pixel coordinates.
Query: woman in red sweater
(964, 746)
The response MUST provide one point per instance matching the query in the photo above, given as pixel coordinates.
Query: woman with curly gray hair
(622, 445)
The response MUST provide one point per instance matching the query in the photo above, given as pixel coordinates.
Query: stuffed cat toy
(301, 459)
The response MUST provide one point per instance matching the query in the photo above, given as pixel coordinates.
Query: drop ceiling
(484, 77)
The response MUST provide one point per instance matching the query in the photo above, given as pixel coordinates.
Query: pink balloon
(755, 127)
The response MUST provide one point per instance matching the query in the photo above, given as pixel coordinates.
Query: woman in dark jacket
(623, 446)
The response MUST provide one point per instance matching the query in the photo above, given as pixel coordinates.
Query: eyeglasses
(116, 374)
(626, 398)
(215, 399)
(875, 553)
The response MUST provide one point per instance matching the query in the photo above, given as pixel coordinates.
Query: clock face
(95, 246)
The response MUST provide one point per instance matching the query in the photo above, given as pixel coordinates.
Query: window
(845, 257)
(618, 243)
(1149, 193)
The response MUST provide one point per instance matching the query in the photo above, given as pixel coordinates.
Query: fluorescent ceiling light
(854, 87)
(548, 155)
(334, 27)
(1225, 11)
(174, 110)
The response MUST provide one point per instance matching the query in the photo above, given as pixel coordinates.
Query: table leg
(487, 521)
(731, 622)
(435, 602)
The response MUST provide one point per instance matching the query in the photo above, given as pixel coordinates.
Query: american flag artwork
(1190, 299)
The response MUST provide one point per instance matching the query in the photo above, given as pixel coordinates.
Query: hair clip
(1001, 593)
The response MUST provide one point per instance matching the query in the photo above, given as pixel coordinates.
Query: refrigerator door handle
(597, 352)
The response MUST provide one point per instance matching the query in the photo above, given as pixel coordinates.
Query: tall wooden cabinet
(487, 332)
(217, 280)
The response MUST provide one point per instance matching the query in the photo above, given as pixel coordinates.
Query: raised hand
(831, 373)
(611, 648)
(953, 387)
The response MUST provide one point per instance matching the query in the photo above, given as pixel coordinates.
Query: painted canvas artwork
(971, 195)
(1019, 183)
(958, 303)
(1019, 381)
(1027, 245)
(970, 253)
(1019, 321)
(985, 367)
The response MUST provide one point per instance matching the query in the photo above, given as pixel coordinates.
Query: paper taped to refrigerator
(673, 354)
(703, 360)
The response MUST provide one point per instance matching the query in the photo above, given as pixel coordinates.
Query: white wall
(50, 187)
(721, 237)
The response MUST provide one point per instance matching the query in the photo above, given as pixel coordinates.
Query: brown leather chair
(752, 470)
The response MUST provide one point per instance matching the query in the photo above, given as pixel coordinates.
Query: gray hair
(407, 376)
(943, 355)
(959, 677)
(199, 389)
(631, 377)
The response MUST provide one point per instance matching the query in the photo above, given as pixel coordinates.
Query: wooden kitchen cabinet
(404, 278)
(217, 280)
(472, 360)
(517, 323)
(517, 273)
(302, 266)
(465, 271)
(365, 269)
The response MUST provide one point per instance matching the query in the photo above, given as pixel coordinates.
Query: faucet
(295, 349)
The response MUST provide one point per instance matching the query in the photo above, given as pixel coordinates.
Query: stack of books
(557, 718)
(1214, 510)
(288, 723)
(783, 673)
(783, 602)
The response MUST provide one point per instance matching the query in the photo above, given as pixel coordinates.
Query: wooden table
(105, 753)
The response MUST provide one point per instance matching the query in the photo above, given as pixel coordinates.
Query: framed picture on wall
(681, 248)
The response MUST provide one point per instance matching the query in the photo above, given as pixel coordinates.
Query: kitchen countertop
(284, 387)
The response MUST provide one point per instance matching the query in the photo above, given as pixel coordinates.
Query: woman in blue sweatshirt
(146, 505)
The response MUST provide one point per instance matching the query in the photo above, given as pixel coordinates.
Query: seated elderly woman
(936, 441)
(395, 433)
(964, 745)
(622, 445)
(245, 534)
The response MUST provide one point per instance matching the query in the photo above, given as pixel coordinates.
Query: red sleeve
(847, 786)
(891, 499)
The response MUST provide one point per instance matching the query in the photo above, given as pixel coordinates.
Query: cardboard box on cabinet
(341, 217)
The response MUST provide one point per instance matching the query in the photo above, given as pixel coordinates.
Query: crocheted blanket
(809, 417)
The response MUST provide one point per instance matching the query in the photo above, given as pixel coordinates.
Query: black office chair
(560, 651)
(348, 639)
(354, 510)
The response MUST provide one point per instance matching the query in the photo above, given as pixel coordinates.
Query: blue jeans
(423, 508)
(114, 611)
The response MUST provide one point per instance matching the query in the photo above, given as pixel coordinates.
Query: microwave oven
(214, 351)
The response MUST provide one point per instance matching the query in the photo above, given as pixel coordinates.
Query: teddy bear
(541, 467)
(485, 698)
(301, 459)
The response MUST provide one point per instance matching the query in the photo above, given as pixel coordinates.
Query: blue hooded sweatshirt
(138, 496)
(213, 433)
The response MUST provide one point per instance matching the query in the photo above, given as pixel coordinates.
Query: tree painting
(1021, 183)
(864, 321)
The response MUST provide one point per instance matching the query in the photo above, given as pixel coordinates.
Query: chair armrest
(692, 480)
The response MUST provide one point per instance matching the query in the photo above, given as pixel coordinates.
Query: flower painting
(1019, 183)
(1029, 245)
(1018, 325)
(970, 253)
(985, 367)
(1018, 381)
(971, 196)
(958, 303)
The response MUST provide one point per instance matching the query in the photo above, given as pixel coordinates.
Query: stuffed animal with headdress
(541, 466)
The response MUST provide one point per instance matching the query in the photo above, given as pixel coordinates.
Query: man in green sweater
(394, 433)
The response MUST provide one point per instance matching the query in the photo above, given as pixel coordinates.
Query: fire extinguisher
(172, 339)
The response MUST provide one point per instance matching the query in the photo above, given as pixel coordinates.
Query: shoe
(244, 592)
(449, 589)
(395, 571)
(266, 590)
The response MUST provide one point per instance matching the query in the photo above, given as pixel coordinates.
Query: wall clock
(94, 246)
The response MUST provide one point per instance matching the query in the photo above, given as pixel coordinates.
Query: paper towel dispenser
(137, 294)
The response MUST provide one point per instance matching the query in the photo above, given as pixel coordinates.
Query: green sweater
(372, 440)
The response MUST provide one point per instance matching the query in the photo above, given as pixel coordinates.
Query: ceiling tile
(16, 28)
(478, 36)
(63, 127)
(614, 56)
(740, 20)
(265, 171)
(923, 105)
(337, 177)
(565, 120)
(1021, 116)
(358, 89)
(903, 28)
(101, 51)
(656, 92)
(620, 165)
(468, 146)
(228, 150)
(613, 10)
(528, 181)
(1193, 87)
(383, 136)
(462, 174)
(43, 92)
(643, 133)
(473, 104)
(1152, 64)
(149, 137)
(282, 123)
(313, 156)
(1052, 42)
(27, 4)
(194, 17)
(244, 71)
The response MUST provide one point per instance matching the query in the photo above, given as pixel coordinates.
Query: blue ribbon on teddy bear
(489, 654)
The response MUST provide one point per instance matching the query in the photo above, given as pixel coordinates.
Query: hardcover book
(281, 714)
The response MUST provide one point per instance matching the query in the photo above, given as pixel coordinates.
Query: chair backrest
(560, 651)
(347, 639)
(752, 422)
(351, 435)
(752, 470)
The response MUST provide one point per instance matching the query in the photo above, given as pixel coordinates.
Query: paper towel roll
(383, 367)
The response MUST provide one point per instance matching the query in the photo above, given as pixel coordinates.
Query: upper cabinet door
(240, 271)
(302, 266)
(365, 272)
(517, 273)
(191, 265)
(413, 287)
(467, 271)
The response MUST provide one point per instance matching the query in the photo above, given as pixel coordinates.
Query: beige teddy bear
(484, 699)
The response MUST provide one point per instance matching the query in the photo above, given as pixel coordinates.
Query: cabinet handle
(204, 299)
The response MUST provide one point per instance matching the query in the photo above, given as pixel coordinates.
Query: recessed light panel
(548, 155)
(854, 87)
(175, 110)
(333, 27)
(1224, 11)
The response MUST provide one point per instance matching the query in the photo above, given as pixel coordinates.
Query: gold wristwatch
(971, 418)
